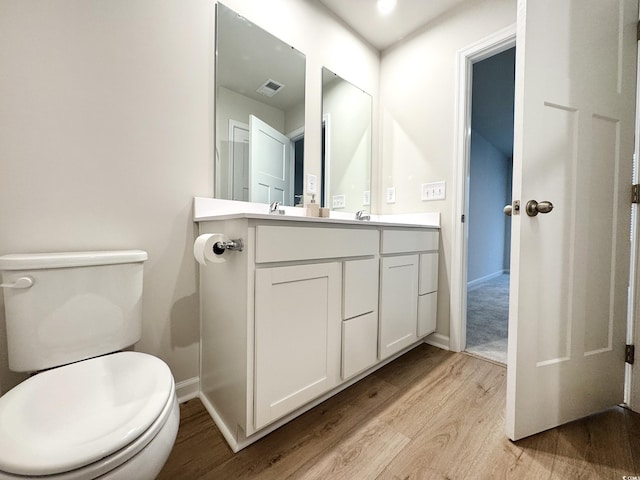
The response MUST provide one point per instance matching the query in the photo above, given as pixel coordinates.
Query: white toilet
(108, 415)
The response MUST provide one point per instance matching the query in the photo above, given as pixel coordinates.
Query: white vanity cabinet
(408, 288)
(302, 312)
(297, 337)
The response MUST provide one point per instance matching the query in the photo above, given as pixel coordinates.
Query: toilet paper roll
(203, 248)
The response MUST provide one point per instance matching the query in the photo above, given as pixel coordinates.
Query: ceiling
(382, 31)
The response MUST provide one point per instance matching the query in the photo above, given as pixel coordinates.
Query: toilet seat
(89, 416)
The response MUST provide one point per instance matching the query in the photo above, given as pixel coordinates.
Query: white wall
(417, 89)
(106, 134)
(104, 140)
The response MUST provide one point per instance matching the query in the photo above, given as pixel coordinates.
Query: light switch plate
(391, 195)
(312, 182)
(338, 201)
(366, 198)
(433, 191)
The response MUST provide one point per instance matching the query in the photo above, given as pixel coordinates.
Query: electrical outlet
(338, 201)
(391, 195)
(433, 191)
(366, 198)
(312, 182)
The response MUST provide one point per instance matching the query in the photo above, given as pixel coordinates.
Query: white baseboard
(438, 340)
(478, 281)
(188, 389)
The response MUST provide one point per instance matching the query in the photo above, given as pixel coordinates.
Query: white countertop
(208, 209)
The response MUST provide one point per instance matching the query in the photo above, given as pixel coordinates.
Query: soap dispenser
(313, 209)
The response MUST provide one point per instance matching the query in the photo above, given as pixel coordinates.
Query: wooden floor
(431, 414)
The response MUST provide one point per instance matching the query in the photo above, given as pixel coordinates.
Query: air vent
(270, 88)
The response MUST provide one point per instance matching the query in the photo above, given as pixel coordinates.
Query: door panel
(271, 165)
(574, 129)
(297, 337)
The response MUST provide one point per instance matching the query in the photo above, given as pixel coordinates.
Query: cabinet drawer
(285, 244)
(360, 287)
(401, 241)
(359, 344)
(427, 313)
(428, 273)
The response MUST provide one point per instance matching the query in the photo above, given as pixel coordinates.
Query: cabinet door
(297, 337)
(398, 303)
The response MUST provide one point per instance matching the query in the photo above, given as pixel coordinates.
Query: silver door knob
(534, 208)
(513, 209)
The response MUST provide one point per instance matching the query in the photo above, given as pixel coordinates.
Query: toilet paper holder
(220, 247)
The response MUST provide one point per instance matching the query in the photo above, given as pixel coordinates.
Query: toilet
(91, 409)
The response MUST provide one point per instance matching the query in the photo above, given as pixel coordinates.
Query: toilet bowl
(113, 417)
(93, 410)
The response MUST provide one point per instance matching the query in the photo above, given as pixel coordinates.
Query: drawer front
(360, 287)
(359, 344)
(428, 273)
(403, 241)
(286, 244)
(427, 313)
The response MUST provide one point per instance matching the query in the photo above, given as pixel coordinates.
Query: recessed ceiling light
(386, 6)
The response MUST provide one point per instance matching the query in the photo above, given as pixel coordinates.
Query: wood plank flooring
(430, 414)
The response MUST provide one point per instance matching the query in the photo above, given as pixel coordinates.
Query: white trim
(188, 389)
(438, 340)
(478, 281)
(632, 375)
(326, 122)
(231, 168)
(487, 47)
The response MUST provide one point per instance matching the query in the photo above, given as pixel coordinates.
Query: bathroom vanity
(308, 307)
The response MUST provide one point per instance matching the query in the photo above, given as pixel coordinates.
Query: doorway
(489, 230)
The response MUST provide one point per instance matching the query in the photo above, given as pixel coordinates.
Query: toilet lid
(71, 416)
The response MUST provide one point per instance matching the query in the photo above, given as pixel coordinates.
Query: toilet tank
(65, 307)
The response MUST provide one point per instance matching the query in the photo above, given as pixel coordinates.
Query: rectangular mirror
(346, 133)
(259, 113)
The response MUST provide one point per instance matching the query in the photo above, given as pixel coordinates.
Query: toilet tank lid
(31, 261)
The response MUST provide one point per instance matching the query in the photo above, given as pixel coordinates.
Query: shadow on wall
(185, 326)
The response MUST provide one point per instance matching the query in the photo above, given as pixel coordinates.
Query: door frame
(487, 47)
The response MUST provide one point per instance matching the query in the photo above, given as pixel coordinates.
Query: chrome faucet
(274, 208)
(362, 215)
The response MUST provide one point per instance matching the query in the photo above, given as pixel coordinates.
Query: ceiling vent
(270, 88)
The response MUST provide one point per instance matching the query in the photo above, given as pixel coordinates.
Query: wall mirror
(346, 133)
(259, 113)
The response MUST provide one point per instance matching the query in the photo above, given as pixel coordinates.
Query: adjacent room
(318, 239)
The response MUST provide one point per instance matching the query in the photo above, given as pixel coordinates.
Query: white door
(574, 137)
(239, 154)
(271, 165)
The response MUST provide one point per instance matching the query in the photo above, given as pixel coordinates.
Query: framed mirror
(346, 134)
(259, 113)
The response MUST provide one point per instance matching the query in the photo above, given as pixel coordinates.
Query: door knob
(513, 209)
(534, 208)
